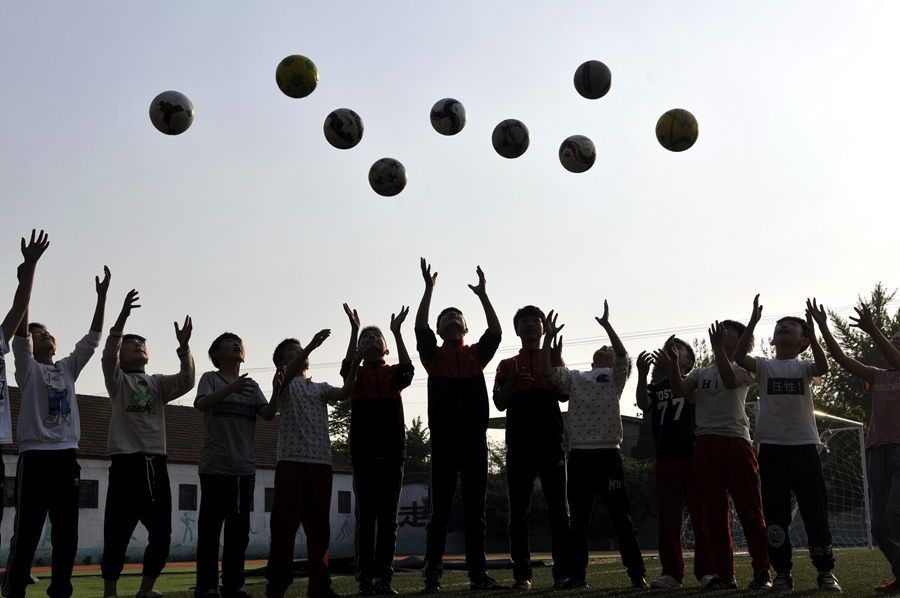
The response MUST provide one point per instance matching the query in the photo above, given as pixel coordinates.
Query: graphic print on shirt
(143, 400)
(665, 400)
(785, 386)
(57, 398)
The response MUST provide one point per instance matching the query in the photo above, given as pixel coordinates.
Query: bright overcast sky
(252, 223)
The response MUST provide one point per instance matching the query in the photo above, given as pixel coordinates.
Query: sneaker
(561, 584)
(704, 581)
(576, 584)
(486, 582)
(721, 583)
(383, 587)
(432, 584)
(783, 582)
(51, 421)
(763, 581)
(666, 582)
(522, 584)
(639, 583)
(366, 587)
(888, 586)
(828, 582)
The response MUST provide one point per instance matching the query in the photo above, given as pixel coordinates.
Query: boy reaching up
(789, 444)
(138, 477)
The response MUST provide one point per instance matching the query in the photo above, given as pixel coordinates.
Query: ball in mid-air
(343, 128)
(593, 79)
(448, 116)
(171, 113)
(387, 177)
(511, 138)
(577, 153)
(677, 130)
(297, 76)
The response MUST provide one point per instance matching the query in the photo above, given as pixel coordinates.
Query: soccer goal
(843, 456)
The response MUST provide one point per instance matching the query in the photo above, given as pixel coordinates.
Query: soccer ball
(677, 130)
(297, 76)
(343, 128)
(593, 79)
(448, 116)
(577, 153)
(387, 177)
(511, 138)
(171, 113)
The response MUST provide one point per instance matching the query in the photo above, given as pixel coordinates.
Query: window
(187, 497)
(270, 498)
(88, 491)
(9, 492)
(343, 501)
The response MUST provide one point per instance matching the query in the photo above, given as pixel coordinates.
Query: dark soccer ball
(677, 130)
(171, 113)
(387, 177)
(593, 79)
(297, 76)
(343, 128)
(448, 116)
(577, 153)
(511, 138)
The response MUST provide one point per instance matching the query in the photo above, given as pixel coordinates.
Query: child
(595, 433)
(303, 470)
(457, 419)
(724, 462)
(788, 445)
(31, 254)
(377, 452)
(535, 442)
(48, 475)
(672, 420)
(230, 403)
(138, 477)
(883, 440)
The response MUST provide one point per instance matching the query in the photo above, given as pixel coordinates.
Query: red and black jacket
(377, 425)
(457, 392)
(533, 420)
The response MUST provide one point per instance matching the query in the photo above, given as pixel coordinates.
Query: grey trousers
(884, 484)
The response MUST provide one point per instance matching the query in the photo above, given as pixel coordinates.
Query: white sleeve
(109, 363)
(620, 371)
(83, 352)
(562, 379)
(24, 358)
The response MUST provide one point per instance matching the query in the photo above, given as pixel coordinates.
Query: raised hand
(103, 285)
(716, 334)
(398, 319)
(481, 288)
(131, 300)
(644, 360)
(551, 329)
(817, 312)
(430, 280)
(319, 338)
(277, 379)
(556, 350)
(757, 310)
(36, 247)
(864, 320)
(354, 317)
(183, 334)
(604, 321)
(242, 385)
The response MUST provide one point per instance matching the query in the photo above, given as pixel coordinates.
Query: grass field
(858, 571)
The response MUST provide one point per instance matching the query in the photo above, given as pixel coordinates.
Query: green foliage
(418, 447)
(339, 428)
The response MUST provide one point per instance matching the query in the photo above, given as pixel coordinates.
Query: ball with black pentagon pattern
(511, 138)
(677, 130)
(593, 79)
(448, 116)
(171, 113)
(343, 128)
(387, 177)
(297, 76)
(577, 153)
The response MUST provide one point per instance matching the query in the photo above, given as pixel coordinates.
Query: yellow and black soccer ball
(297, 76)
(677, 130)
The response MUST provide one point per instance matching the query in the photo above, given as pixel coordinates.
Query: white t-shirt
(5, 419)
(594, 421)
(720, 411)
(303, 435)
(785, 412)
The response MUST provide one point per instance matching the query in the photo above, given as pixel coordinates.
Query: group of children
(704, 451)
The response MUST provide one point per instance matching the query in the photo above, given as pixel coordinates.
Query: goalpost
(843, 455)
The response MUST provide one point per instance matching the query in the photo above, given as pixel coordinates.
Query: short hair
(36, 325)
(445, 311)
(280, 350)
(739, 328)
(689, 350)
(528, 310)
(803, 325)
(371, 328)
(225, 336)
(135, 337)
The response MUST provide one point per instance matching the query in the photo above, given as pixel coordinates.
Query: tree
(339, 428)
(418, 448)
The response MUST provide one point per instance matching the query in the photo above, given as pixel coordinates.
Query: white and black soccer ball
(387, 177)
(511, 138)
(593, 79)
(343, 128)
(171, 113)
(448, 116)
(577, 153)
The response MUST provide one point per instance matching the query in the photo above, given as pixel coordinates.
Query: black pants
(377, 484)
(522, 467)
(138, 491)
(593, 473)
(783, 469)
(47, 483)
(224, 500)
(466, 458)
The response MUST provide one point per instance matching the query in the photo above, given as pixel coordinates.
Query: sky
(252, 223)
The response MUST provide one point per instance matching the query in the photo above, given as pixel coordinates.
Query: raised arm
(343, 393)
(821, 365)
(730, 378)
(109, 360)
(617, 345)
(131, 300)
(31, 254)
(666, 360)
(643, 368)
(550, 332)
(425, 304)
(819, 314)
(481, 291)
(298, 363)
(396, 322)
(268, 411)
(866, 323)
(743, 347)
(354, 331)
(102, 290)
